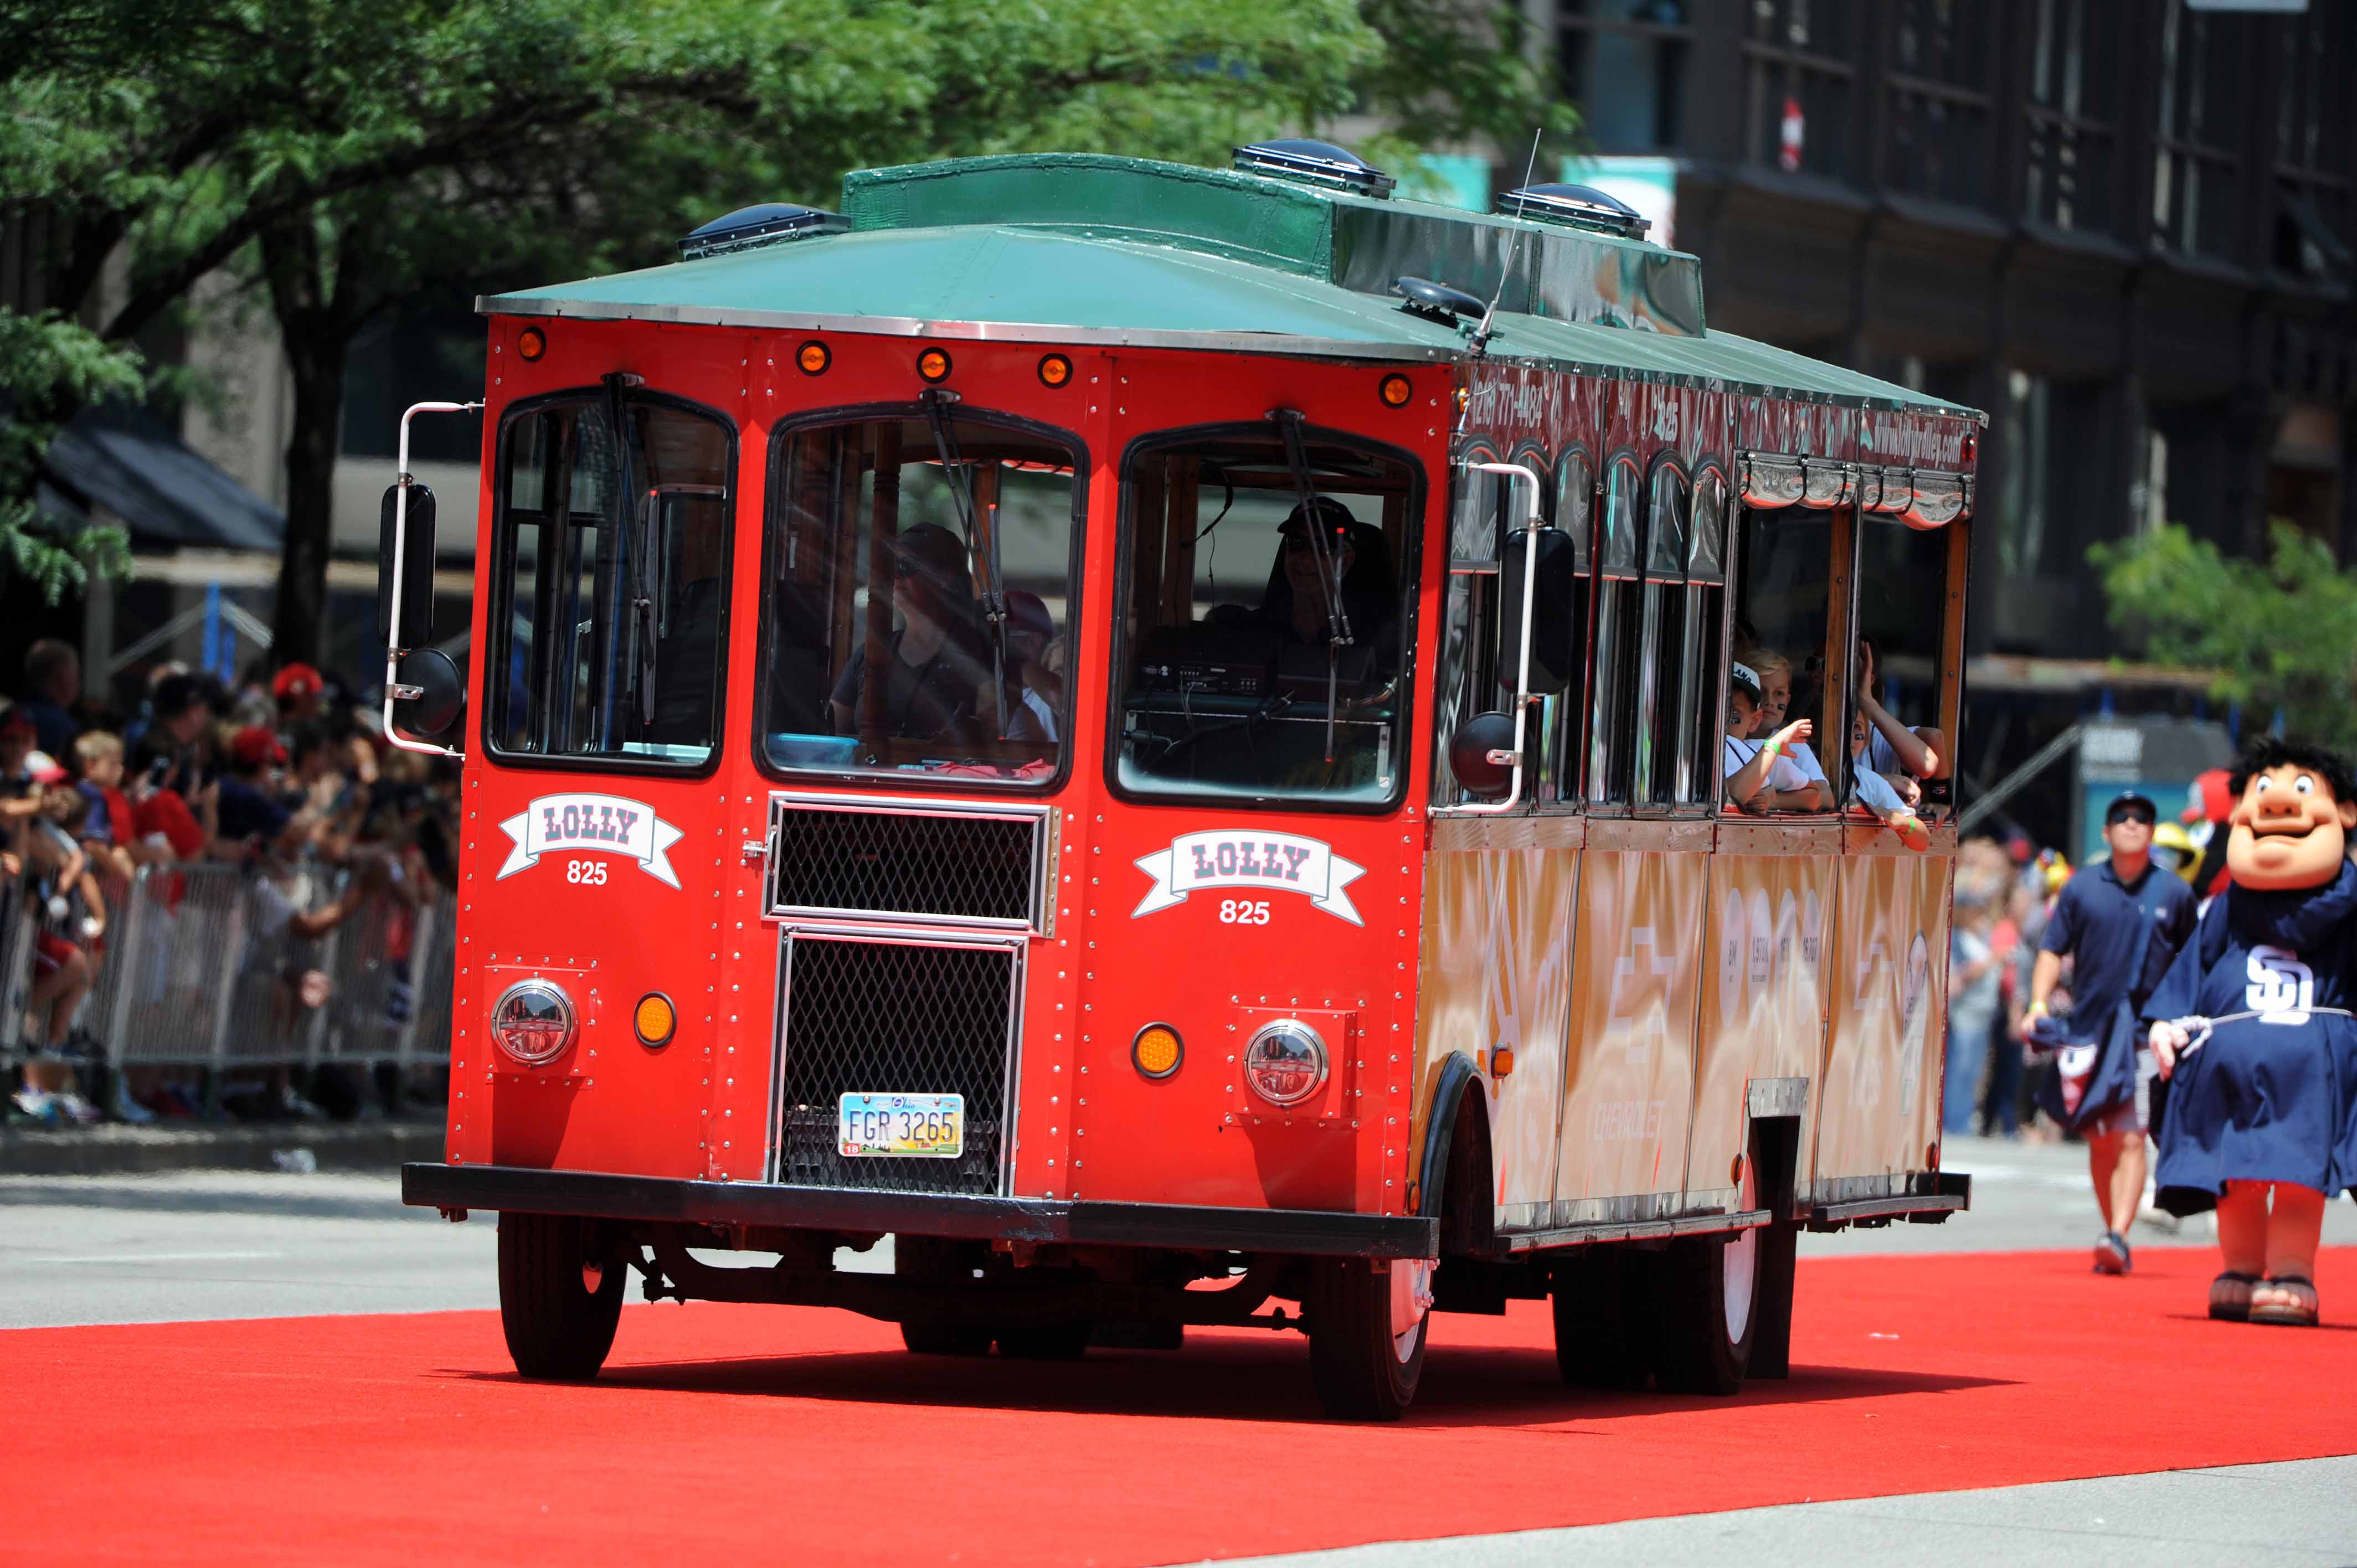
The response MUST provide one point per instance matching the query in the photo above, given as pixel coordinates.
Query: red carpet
(731, 1433)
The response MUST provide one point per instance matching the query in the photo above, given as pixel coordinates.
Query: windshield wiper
(1337, 619)
(994, 593)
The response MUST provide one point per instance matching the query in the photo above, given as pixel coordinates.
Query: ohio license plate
(903, 1126)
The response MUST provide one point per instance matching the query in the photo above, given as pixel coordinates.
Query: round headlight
(533, 1021)
(1286, 1063)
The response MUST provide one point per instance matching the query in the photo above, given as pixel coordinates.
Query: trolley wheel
(1771, 1333)
(1367, 1334)
(1602, 1311)
(1708, 1304)
(1045, 1341)
(560, 1295)
(945, 1336)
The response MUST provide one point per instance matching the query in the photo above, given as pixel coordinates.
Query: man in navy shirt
(2121, 921)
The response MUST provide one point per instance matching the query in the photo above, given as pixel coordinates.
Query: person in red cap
(301, 693)
(2209, 801)
(249, 808)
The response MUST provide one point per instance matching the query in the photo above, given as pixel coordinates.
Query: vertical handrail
(393, 648)
(1533, 522)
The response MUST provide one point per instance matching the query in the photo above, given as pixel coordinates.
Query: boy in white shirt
(1760, 778)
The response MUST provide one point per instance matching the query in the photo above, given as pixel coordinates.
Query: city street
(171, 1250)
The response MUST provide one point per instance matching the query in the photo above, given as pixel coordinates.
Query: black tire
(945, 1336)
(1771, 1339)
(947, 1266)
(1045, 1341)
(1365, 1368)
(557, 1326)
(1602, 1315)
(1708, 1308)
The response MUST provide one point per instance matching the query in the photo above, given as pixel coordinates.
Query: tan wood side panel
(1453, 834)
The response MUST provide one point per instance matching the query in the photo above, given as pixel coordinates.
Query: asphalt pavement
(222, 1244)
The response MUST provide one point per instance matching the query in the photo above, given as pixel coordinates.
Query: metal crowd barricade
(202, 968)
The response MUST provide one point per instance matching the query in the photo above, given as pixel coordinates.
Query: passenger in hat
(2263, 1112)
(1034, 693)
(934, 660)
(1775, 673)
(1756, 770)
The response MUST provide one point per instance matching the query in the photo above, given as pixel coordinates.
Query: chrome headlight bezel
(1293, 1049)
(534, 1021)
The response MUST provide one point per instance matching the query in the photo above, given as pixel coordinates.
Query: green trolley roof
(1076, 249)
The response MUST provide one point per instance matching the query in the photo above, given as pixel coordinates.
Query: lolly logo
(572, 824)
(1279, 862)
(2281, 989)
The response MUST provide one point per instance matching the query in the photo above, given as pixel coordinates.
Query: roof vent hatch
(1314, 163)
(769, 223)
(1576, 207)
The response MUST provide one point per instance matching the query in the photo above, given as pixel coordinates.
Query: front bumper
(599, 1196)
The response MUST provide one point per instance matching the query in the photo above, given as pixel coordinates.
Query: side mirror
(428, 692)
(413, 597)
(1469, 752)
(1554, 660)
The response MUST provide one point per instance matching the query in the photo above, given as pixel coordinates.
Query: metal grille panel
(909, 864)
(895, 1018)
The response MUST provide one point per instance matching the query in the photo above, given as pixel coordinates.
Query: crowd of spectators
(282, 777)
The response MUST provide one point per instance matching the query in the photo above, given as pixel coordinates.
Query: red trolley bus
(1155, 736)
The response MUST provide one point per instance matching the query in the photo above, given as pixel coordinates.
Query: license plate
(902, 1126)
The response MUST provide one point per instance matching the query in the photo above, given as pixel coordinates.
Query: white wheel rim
(1739, 1268)
(1411, 1303)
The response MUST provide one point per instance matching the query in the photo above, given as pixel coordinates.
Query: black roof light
(1437, 301)
(1314, 163)
(1577, 207)
(767, 224)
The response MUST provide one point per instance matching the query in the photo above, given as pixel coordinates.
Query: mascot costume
(2252, 1026)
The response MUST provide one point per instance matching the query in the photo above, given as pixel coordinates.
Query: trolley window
(1269, 596)
(917, 598)
(1785, 571)
(1898, 670)
(615, 510)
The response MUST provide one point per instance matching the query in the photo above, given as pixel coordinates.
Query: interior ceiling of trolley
(1117, 281)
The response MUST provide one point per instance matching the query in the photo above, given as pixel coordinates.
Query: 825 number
(1243, 911)
(588, 872)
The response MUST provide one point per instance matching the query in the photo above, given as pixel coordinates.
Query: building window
(2071, 134)
(2316, 135)
(1938, 144)
(1800, 71)
(1624, 63)
(2021, 530)
(2196, 185)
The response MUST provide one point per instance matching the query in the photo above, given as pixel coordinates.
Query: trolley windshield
(916, 599)
(1270, 584)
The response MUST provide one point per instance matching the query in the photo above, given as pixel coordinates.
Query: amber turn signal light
(655, 1020)
(1395, 391)
(1502, 1062)
(814, 358)
(1158, 1050)
(531, 343)
(933, 364)
(1055, 371)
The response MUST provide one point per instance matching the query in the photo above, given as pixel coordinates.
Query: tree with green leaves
(347, 161)
(2280, 633)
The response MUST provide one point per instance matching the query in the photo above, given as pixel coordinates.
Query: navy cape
(2272, 1098)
